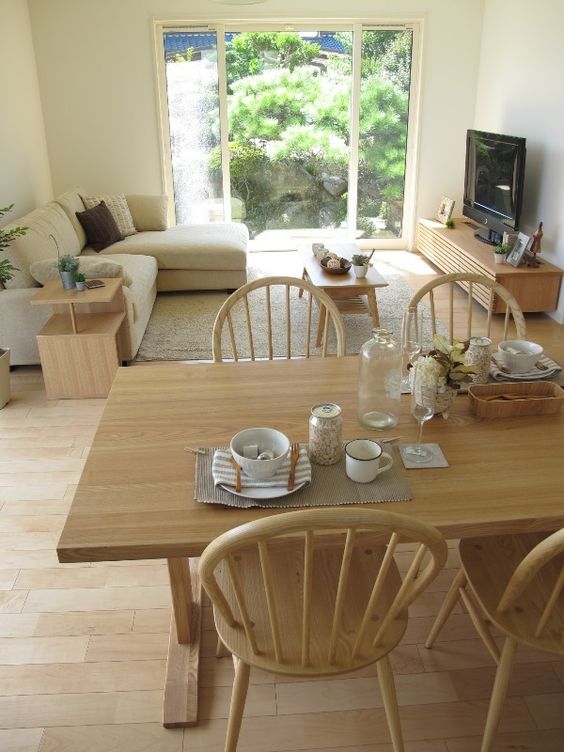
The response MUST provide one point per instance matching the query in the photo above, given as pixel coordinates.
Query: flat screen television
(493, 183)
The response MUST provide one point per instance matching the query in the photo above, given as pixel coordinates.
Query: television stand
(490, 237)
(458, 250)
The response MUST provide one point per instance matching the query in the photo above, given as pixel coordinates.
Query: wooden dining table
(135, 499)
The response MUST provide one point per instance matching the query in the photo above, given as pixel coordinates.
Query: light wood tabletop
(135, 497)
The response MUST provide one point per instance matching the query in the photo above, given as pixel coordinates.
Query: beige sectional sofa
(156, 257)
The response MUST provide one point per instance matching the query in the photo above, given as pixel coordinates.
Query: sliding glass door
(298, 129)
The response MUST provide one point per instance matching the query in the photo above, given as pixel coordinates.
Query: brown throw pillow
(100, 227)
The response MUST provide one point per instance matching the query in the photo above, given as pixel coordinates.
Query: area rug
(181, 323)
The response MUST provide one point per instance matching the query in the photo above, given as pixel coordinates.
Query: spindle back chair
(517, 582)
(317, 593)
(487, 290)
(238, 305)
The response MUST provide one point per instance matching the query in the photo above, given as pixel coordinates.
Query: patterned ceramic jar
(325, 430)
(479, 356)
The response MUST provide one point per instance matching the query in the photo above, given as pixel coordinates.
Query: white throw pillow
(93, 267)
(118, 209)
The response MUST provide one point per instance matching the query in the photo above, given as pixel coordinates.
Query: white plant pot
(4, 377)
(360, 271)
(499, 258)
(80, 286)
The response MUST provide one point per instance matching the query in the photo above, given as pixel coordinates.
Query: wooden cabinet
(457, 250)
(79, 345)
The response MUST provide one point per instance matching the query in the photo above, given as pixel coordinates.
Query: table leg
(322, 314)
(304, 277)
(181, 684)
(373, 307)
(73, 318)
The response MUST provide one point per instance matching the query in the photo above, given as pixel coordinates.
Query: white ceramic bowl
(519, 355)
(266, 439)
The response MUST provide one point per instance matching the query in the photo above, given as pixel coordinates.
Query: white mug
(363, 460)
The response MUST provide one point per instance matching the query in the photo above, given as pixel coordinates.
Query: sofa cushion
(100, 226)
(143, 272)
(221, 245)
(118, 208)
(71, 203)
(49, 231)
(148, 212)
(92, 267)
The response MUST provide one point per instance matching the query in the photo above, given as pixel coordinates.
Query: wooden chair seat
(288, 593)
(501, 554)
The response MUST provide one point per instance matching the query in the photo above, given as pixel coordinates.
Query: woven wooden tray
(534, 398)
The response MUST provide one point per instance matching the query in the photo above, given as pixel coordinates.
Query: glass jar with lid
(379, 381)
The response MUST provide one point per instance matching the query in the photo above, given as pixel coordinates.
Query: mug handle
(390, 462)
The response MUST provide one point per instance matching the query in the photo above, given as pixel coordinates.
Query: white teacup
(365, 460)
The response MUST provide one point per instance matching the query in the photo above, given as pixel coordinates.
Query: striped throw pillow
(118, 208)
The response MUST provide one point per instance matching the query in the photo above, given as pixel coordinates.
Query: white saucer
(262, 492)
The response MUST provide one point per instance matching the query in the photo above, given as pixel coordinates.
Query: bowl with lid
(260, 452)
(519, 355)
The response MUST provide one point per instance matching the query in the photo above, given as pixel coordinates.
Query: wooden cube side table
(79, 349)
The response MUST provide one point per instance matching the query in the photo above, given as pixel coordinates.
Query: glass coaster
(438, 459)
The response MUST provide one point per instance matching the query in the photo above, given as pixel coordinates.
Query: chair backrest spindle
(284, 315)
(308, 586)
(478, 287)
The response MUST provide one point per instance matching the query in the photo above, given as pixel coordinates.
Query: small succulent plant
(359, 259)
(79, 277)
(68, 263)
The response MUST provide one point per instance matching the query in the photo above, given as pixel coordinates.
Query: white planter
(360, 271)
(4, 377)
(499, 258)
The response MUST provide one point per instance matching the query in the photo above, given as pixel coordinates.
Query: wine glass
(421, 412)
(411, 336)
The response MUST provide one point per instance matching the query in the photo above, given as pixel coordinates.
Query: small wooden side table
(79, 348)
(345, 289)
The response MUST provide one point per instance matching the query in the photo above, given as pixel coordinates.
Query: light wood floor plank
(86, 599)
(18, 650)
(20, 740)
(528, 741)
(140, 737)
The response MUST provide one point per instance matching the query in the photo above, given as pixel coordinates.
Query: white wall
(521, 94)
(25, 179)
(96, 69)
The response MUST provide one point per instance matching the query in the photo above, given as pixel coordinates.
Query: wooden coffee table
(352, 295)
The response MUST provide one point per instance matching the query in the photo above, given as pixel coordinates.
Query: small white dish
(262, 492)
(519, 355)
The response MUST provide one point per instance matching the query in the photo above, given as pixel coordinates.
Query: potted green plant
(7, 270)
(67, 266)
(500, 252)
(360, 265)
(80, 281)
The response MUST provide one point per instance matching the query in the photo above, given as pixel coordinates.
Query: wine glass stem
(420, 432)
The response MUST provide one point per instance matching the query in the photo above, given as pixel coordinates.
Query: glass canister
(325, 434)
(379, 381)
(479, 355)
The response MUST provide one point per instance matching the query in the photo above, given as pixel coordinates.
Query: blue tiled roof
(179, 42)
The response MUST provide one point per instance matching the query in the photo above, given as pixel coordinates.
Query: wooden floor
(82, 647)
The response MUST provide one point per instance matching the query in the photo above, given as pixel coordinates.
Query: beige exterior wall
(25, 179)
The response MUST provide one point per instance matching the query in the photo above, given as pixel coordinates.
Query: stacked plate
(548, 371)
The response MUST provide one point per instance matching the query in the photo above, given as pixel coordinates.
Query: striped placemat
(329, 486)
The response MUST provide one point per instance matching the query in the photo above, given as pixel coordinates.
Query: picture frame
(515, 255)
(444, 212)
